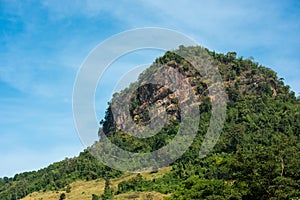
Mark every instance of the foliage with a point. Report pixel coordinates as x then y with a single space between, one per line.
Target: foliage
62 196
55 177
95 197
108 191
257 154
256 157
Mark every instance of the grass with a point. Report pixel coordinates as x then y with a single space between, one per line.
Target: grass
141 196
83 190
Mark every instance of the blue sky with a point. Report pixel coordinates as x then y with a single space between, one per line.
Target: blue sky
43 44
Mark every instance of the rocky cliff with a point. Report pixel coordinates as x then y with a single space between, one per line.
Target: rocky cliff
172 80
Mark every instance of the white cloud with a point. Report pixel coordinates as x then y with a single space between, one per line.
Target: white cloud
69 8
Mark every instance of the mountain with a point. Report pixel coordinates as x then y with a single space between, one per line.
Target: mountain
256 156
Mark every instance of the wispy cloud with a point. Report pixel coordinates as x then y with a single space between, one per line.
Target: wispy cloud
43 44
267 30
88 8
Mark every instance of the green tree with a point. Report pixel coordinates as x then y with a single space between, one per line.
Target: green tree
62 196
68 189
108 191
95 197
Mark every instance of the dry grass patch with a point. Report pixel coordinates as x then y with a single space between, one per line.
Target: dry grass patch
141 196
83 190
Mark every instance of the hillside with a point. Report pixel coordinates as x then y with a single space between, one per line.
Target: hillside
84 190
256 156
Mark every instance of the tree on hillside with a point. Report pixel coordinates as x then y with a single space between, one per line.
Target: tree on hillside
95 197
62 196
108 191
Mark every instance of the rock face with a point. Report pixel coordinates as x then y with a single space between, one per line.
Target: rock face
156 98
171 81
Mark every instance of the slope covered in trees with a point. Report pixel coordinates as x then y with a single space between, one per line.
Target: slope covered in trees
256 157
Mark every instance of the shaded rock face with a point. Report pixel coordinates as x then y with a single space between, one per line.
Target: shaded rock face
156 98
152 95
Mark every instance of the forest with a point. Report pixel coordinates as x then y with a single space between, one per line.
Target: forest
256 157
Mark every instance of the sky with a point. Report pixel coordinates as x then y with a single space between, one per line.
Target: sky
44 43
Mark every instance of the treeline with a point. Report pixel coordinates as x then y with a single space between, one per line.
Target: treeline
256 157
55 177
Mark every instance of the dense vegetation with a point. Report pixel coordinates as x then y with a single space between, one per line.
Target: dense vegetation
56 176
256 157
